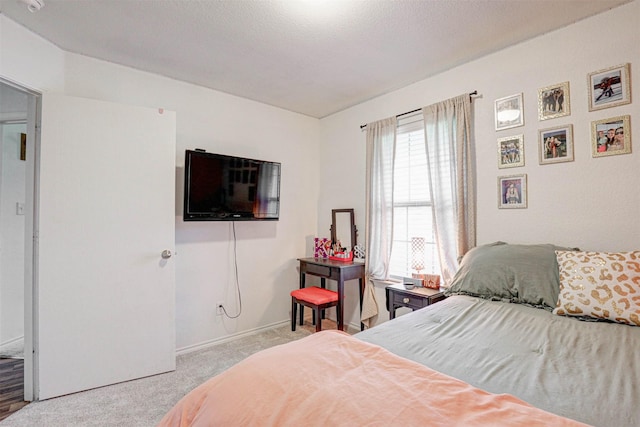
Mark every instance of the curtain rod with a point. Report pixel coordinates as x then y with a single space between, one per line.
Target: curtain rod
471 95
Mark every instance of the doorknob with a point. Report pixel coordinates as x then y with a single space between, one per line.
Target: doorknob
166 254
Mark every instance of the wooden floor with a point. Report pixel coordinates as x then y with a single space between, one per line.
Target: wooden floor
11 386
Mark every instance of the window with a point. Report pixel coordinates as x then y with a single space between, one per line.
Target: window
413 234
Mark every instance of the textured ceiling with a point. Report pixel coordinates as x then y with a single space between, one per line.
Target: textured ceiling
315 57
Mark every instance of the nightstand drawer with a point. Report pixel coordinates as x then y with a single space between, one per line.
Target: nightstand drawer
411 301
434 299
415 298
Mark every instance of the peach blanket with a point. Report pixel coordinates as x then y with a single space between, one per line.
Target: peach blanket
331 378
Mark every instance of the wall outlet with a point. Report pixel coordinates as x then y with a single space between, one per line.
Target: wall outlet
219 309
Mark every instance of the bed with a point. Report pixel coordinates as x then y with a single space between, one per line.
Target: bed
529 335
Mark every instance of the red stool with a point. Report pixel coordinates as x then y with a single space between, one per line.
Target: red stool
313 297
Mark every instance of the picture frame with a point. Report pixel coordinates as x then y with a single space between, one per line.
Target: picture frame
609 87
554 101
509 112
555 145
512 192
611 137
511 151
23 146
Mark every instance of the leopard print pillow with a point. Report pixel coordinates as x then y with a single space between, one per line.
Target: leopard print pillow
600 285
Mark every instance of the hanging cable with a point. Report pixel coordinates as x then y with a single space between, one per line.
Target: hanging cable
237 280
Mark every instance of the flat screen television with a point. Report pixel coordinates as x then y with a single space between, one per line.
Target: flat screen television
228 188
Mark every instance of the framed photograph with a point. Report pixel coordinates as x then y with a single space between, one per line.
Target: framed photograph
509 112
511 151
553 101
609 87
512 192
555 145
610 137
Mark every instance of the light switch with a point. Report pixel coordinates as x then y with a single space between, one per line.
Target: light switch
19 208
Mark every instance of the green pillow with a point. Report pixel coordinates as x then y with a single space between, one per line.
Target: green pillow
525 274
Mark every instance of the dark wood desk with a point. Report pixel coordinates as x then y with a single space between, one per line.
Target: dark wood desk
333 270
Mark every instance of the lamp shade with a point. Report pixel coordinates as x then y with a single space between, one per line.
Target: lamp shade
417 253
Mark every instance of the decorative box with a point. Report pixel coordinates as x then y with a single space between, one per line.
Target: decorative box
321 248
431 281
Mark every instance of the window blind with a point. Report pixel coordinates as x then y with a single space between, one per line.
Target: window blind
412 202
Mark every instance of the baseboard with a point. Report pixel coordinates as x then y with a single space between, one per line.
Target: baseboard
11 341
232 337
206 344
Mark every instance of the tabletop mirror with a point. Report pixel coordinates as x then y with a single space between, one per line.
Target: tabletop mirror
343 227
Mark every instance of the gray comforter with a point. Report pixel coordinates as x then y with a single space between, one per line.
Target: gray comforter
587 371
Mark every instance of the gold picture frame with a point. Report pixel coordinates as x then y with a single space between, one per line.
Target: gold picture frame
555 145
554 101
511 151
23 146
512 192
611 137
609 87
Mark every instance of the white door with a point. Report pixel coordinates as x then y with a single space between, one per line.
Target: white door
105 297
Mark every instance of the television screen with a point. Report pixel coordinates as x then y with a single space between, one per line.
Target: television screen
228 188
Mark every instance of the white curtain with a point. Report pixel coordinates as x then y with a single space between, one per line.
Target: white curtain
452 185
381 147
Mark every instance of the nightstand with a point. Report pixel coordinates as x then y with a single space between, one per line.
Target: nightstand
416 298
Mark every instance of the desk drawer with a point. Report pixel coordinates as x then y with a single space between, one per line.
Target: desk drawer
318 270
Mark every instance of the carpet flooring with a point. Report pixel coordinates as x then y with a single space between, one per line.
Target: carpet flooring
144 402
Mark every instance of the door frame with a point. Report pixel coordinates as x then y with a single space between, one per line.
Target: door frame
31 237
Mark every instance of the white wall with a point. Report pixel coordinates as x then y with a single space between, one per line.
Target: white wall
29 60
592 203
217 122
12 191
267 251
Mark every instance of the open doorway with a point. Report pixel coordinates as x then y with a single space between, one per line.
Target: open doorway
12 238
17 189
